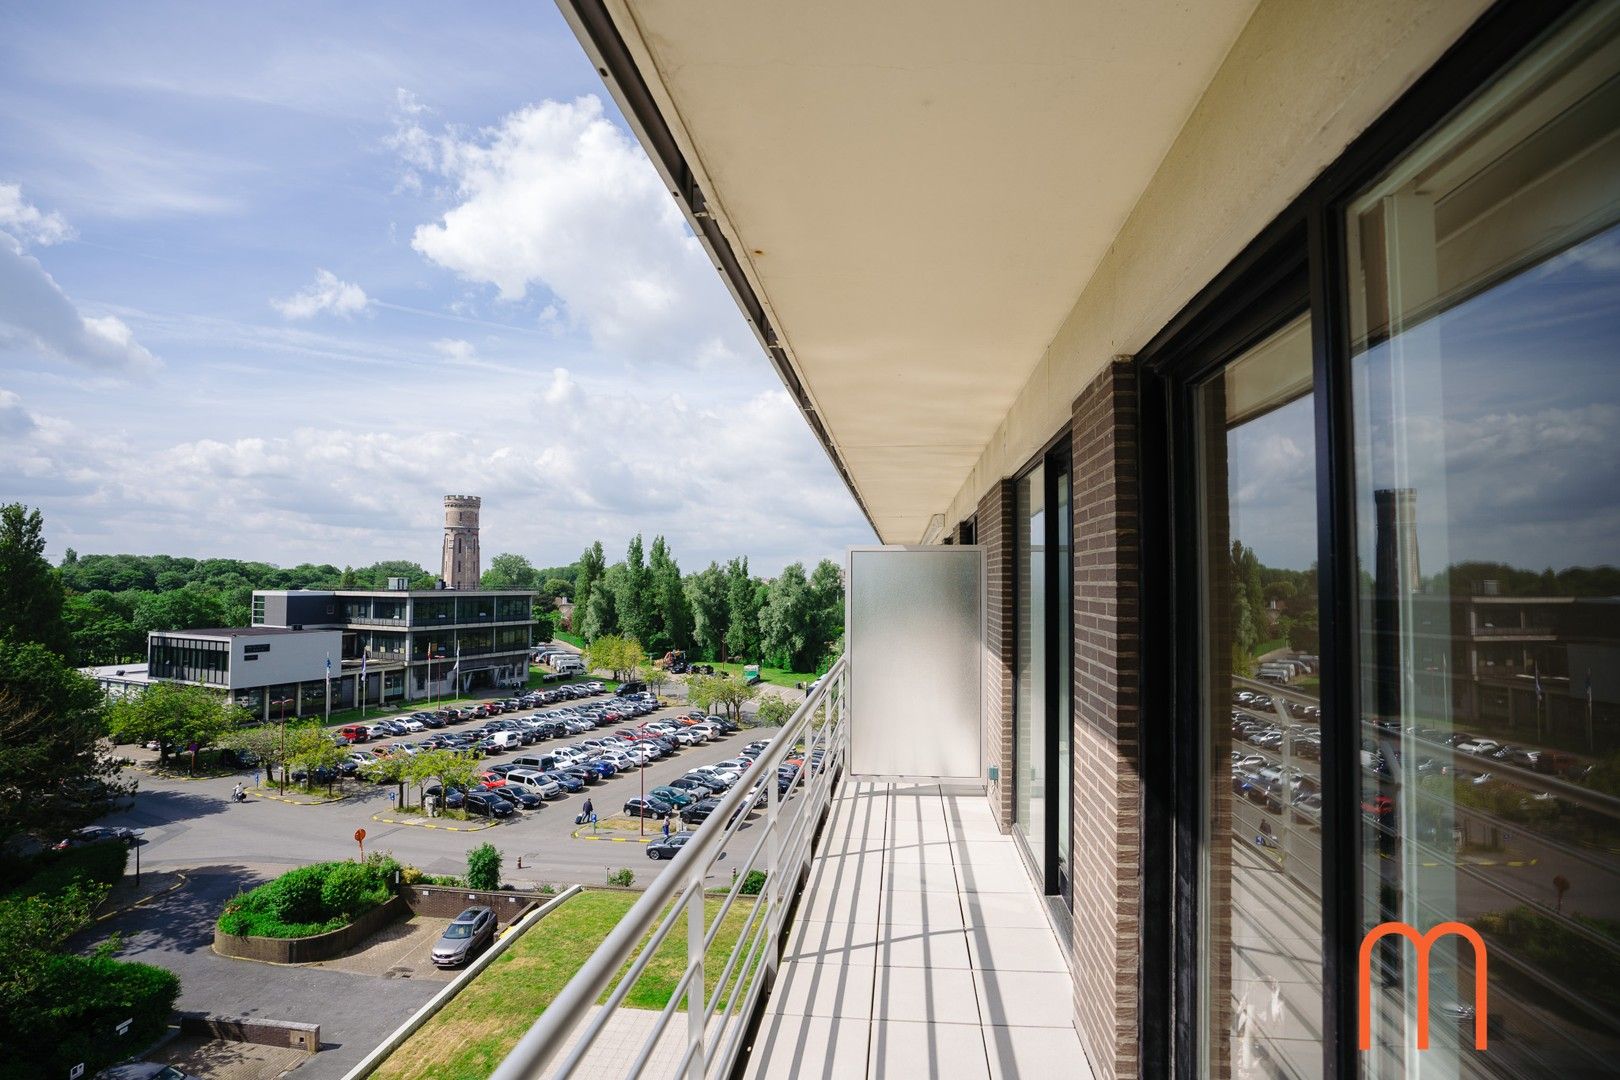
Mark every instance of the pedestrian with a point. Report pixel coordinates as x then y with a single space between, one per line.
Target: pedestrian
237 794
666 828
588 809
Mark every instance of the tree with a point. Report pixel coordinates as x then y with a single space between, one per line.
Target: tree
706 598
742 611
827 607
788 623
484 867
30 589
311 748
671 614
655 677
592 565
175 715
623 656
55 773
711 692
552 589
393 769
267 745
509 571
601 613
633 594
773 710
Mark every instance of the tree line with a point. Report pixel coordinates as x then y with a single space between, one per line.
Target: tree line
793 621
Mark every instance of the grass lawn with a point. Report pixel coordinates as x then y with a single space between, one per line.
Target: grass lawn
470 1036
774 676
569 639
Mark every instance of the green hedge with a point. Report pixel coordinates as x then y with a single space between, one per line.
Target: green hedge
53 871
311 899
72 1014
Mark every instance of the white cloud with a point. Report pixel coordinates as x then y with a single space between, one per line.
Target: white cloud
575 460
327 293
558 197
455 349
27 223
561 389
37 316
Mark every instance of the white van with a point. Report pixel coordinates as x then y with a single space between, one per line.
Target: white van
506 740
546 789
568 664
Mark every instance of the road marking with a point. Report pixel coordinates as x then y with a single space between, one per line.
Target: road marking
614 839
257 794
143 900
431 825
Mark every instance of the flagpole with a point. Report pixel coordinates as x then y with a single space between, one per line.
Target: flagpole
328 688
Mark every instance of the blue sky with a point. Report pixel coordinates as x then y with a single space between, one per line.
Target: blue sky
274 280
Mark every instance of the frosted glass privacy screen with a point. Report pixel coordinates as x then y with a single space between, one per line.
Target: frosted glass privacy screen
915 642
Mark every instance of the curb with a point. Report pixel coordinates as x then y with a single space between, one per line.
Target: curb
430 825
257 794
616 839
143 900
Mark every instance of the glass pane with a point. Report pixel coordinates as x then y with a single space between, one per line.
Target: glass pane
1486 375
1262 891
1029 724
1063 567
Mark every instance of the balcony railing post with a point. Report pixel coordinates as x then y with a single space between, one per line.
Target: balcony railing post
696 995
773 877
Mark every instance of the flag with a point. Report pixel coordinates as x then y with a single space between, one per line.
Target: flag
1538 684
363 658
1588 688
328 665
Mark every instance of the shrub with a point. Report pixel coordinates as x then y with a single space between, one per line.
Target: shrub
753 884
622 878
383 866
295 896
345 888
52 871
73 1012
484 867
309 900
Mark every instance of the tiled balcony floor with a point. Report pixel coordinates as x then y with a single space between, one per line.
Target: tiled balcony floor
921 950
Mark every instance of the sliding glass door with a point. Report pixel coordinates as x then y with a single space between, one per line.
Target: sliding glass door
1043 527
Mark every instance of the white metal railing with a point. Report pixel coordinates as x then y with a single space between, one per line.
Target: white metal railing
717 1021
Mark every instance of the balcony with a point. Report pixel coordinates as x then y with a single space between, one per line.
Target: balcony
897 932
920 948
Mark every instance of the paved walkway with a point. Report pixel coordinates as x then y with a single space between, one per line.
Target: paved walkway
921 950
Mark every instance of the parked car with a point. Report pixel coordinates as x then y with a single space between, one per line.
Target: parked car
486 804
667 847
519 796
672 795
647 808
467 935
144 1070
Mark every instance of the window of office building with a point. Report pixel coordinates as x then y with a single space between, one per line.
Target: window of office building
475 609
433 611
1261 844
1485 342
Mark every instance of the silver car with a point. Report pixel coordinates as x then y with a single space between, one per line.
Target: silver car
465 937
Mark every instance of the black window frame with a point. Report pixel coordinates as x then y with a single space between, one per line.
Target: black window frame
1238 307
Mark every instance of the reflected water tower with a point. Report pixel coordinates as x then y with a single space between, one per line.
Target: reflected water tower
461 563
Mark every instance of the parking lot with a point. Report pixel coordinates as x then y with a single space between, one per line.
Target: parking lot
193 822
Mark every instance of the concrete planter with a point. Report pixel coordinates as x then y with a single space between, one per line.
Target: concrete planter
307 950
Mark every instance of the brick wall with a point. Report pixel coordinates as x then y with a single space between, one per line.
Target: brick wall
1107 672
994 532
444 902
